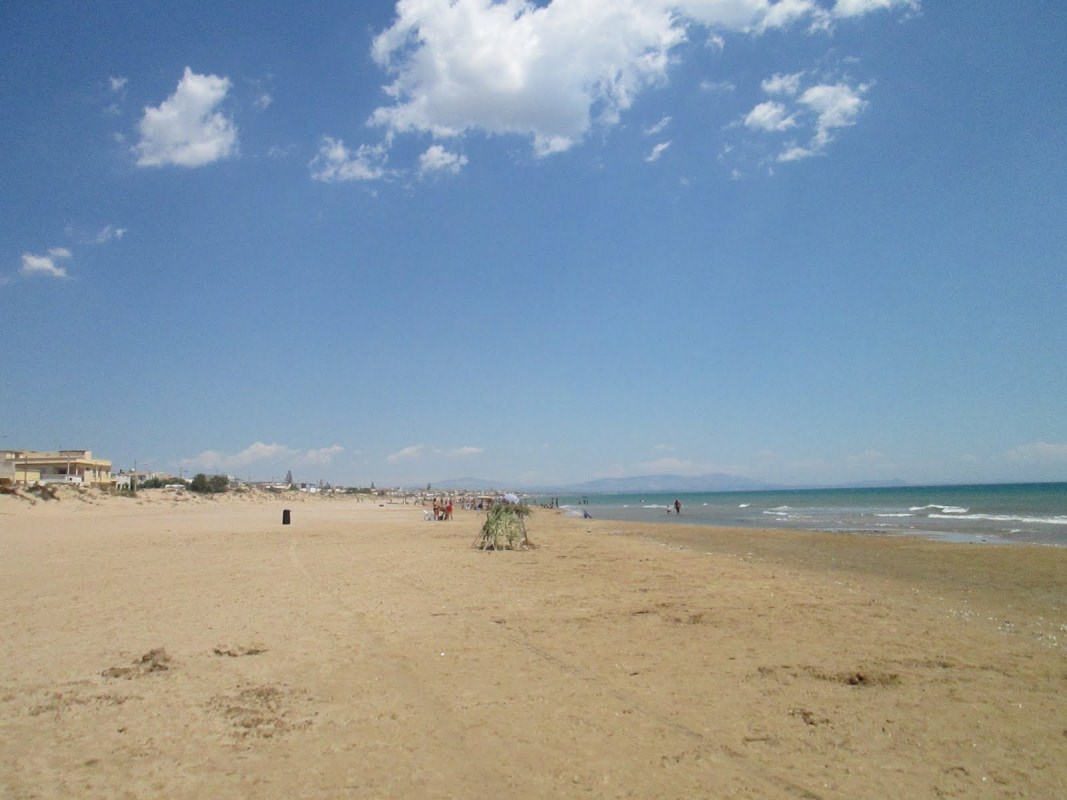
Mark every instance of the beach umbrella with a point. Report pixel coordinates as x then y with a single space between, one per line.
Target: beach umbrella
511 498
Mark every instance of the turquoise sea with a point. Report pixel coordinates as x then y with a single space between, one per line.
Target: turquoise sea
999 513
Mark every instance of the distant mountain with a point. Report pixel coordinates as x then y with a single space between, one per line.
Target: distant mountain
711 482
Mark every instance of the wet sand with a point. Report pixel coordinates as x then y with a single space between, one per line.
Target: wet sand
193 648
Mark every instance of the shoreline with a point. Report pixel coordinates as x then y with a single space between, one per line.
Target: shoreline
183 650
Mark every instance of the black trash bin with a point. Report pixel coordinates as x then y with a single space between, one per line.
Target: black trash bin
285 517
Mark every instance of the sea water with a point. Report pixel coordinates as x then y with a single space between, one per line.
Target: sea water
999 513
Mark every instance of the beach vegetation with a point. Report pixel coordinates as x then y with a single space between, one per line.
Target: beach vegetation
157 482
505 528
216 484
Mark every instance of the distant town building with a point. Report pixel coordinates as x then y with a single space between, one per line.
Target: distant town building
61 466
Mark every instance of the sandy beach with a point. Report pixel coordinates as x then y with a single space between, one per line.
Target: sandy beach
191 648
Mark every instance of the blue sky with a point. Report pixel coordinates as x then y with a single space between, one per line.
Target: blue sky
803 241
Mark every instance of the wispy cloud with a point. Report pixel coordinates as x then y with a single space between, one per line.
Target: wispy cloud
321 455
1039 452
186 129
657 151
45 266
669 465
411 453
109 233
659 127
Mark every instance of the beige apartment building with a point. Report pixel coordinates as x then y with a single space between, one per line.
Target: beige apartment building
61 466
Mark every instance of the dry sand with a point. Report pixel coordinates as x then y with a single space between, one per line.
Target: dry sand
199 648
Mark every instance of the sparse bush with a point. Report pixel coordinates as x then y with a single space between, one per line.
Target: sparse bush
505 528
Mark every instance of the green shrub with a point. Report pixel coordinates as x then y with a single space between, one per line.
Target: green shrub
216 484
505 528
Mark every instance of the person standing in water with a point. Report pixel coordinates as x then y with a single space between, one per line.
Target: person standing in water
677 506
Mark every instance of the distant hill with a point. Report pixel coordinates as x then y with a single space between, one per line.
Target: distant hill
710 482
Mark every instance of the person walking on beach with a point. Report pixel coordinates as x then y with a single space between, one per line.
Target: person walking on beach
677 506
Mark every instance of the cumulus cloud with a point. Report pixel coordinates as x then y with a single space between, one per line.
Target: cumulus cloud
819 111
836 106
261 453
770 116
552 71
782 84
45 266
336 163
411 453
187 130
438 159
511 67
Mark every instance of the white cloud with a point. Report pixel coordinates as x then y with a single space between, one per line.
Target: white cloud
109 233
261 453
782 84
410 453
818 112
467 452
659 127
717 87
671 466
795 152
657 151
770 116
836 106
186 130
550 71
1039 452
438 159
34 266
855 8
255 453
547 72
117 83
336 163
322 455
264 101
785 12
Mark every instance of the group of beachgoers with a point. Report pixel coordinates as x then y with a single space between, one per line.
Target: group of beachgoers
442 509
